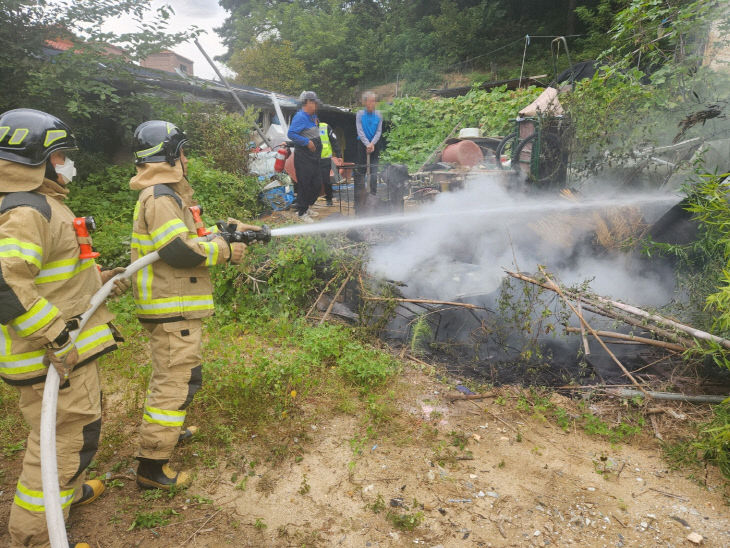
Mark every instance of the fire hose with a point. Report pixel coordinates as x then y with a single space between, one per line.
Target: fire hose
49 462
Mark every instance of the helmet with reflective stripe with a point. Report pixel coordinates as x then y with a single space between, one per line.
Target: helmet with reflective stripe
158 141
29 136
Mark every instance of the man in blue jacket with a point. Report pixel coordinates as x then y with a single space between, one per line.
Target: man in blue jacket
304 132
369 124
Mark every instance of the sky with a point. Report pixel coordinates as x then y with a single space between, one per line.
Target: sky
205 14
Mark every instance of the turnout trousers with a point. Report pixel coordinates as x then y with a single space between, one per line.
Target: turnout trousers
78 424
177 375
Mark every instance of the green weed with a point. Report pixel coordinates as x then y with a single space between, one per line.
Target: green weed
149 520
405 521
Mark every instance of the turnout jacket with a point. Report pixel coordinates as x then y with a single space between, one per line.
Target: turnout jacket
43 283
177 286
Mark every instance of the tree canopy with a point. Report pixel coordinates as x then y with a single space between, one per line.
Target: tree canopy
344 45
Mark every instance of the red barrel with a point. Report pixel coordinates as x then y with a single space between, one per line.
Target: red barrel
463 153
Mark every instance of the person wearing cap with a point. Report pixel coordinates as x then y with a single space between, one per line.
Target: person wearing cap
369 124
304 132
172 295
45 286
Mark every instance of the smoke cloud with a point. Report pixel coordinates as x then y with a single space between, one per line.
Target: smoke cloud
455 251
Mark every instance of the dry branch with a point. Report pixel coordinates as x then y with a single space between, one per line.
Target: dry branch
604 307
633 338
582 330
559 291
456 397
425 301
334 299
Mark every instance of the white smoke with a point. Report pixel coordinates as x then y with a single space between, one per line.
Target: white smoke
452 254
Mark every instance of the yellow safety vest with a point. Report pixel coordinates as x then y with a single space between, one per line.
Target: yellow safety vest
325 138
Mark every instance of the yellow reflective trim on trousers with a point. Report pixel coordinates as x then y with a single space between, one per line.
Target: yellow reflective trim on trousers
41 314
163 417
29 252
96 336
57 271
33 500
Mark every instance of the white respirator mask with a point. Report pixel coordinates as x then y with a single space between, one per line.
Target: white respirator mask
67 170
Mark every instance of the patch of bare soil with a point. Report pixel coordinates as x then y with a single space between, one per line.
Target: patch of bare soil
467 473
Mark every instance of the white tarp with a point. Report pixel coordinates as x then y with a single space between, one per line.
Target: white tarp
546 103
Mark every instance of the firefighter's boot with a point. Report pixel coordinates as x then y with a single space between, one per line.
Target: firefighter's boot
157 474
90 491
187 433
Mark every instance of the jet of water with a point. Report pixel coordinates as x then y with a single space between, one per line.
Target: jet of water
512 212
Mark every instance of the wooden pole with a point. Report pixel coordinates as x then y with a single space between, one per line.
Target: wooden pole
593 332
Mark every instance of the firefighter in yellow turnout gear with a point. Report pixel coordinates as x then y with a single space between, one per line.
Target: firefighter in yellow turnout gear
44 288
172 295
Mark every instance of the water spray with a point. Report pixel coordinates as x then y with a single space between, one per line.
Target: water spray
494 212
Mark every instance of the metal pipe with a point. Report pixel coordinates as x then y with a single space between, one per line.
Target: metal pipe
233 93
49 461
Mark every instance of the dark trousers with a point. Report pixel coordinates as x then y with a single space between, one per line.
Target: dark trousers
361 169
309 178
325 166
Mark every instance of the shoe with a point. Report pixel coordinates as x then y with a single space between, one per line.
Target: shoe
312 213
305 218
329 203
186 434
90 491
81 545
157 474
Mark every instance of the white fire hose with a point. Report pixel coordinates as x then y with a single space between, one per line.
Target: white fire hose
49 465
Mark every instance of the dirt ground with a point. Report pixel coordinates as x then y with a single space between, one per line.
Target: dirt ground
511 480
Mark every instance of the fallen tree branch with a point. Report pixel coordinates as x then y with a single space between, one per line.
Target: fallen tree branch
693 332
634 338
456 397
586 348
334 299
602 310
425 301
593 332
311 308
671 396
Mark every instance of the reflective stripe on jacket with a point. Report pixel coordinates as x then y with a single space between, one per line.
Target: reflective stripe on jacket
43 283
178 286
325 138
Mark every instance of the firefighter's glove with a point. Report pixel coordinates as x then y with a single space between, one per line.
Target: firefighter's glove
242 227
63 359
121 285
238 250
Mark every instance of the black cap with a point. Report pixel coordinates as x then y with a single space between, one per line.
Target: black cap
158 141
29 136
